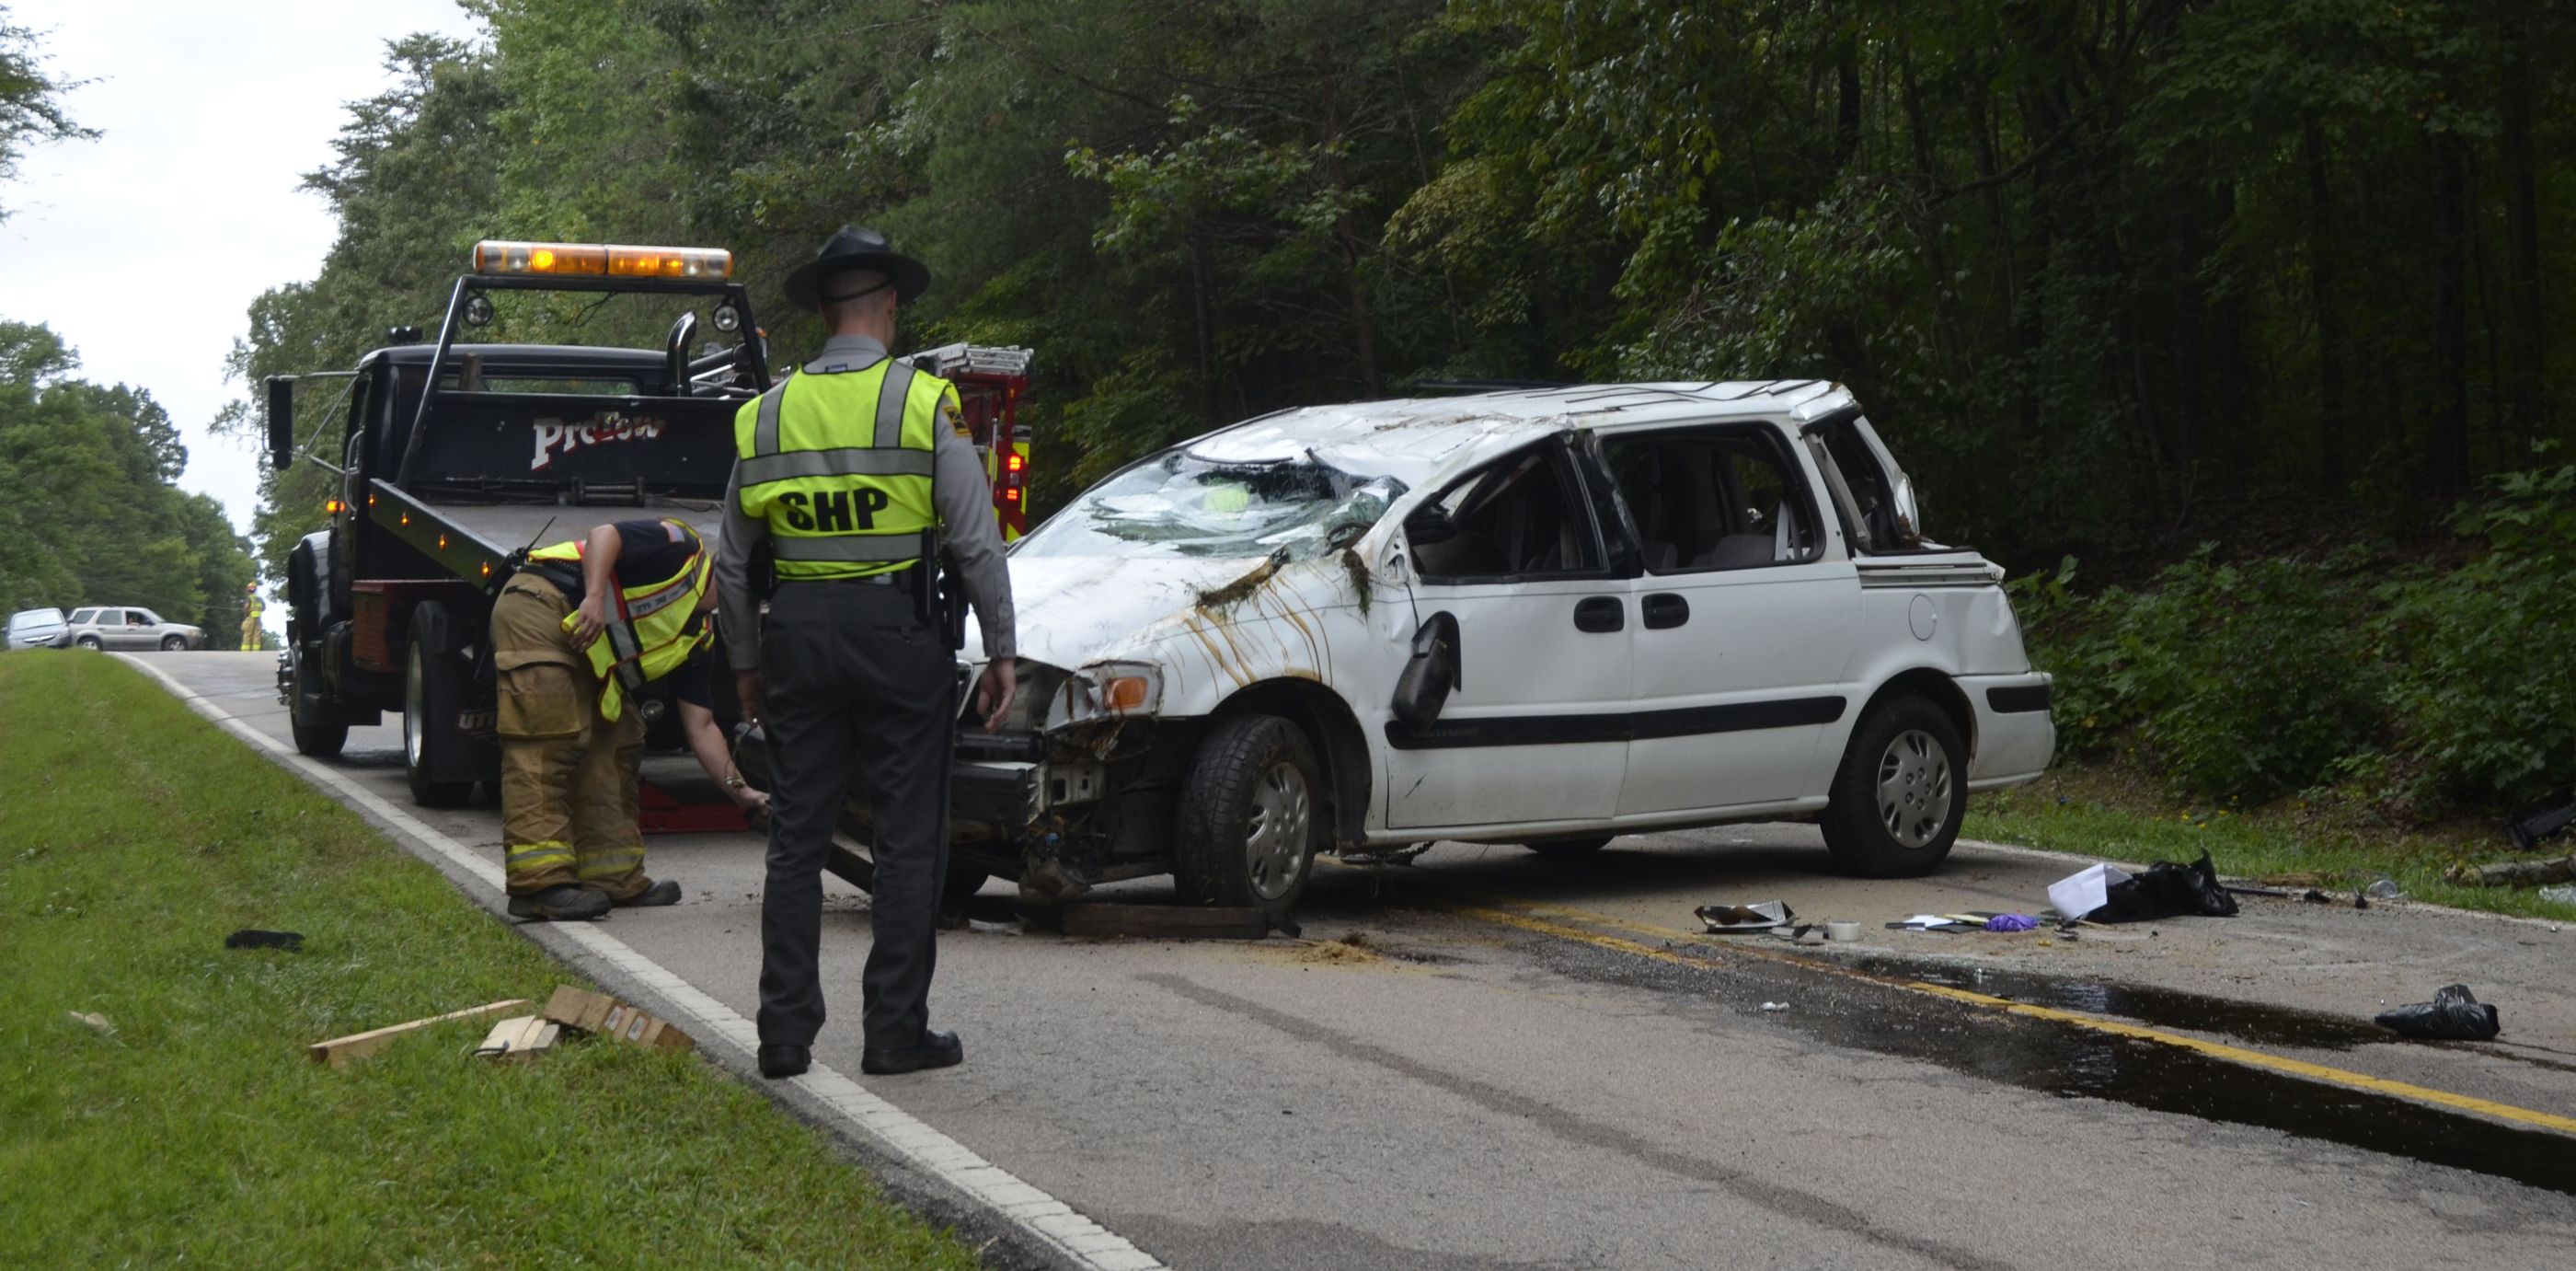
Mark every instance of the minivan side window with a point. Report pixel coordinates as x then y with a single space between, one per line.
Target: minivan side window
1522 516
1714 498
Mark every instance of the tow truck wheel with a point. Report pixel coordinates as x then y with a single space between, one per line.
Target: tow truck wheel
1901 793
322 741
433 691
1248 817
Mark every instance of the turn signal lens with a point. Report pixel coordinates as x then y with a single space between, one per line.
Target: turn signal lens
497 256
1125 693
332 506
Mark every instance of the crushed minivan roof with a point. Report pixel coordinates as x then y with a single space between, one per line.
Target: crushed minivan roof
1412 439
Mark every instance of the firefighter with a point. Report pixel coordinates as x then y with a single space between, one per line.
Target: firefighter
252 609
577 634
839 472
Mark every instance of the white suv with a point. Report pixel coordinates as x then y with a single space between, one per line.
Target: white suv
1545 617
119 627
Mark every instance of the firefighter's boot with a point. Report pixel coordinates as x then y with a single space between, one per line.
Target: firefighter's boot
562 902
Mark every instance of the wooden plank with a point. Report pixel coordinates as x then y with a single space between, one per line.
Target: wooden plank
340 1050
854 869
605 1016
1165 922
579 1008
520 1038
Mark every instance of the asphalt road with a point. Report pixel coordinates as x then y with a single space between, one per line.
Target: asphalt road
1523 1063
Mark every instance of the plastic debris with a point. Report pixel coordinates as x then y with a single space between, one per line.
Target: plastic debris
1736 919
2454 1014
2012 922
2166 890
2564 893
2384 889
94 1022
2085 890
1775 1006
254 938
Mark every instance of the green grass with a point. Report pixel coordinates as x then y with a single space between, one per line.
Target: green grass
2105 814
133 837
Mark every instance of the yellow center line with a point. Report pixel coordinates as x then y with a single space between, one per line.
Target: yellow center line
1523 917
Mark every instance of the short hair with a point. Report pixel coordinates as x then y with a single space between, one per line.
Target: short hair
856 292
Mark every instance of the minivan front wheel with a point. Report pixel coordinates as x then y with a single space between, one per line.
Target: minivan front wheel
1901 793
1250 815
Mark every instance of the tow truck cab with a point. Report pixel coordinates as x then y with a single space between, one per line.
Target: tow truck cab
447 458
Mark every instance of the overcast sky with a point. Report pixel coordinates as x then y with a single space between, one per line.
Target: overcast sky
143 249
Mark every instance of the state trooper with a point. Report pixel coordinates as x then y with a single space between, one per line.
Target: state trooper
847 472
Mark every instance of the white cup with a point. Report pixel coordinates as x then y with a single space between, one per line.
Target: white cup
1841 931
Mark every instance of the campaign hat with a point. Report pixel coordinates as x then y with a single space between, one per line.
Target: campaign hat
853 249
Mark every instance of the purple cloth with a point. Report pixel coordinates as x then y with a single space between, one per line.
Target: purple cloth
2012 922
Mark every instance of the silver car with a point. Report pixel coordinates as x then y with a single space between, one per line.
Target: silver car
37 629
128 627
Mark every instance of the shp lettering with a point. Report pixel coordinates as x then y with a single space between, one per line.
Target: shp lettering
555 437
834 511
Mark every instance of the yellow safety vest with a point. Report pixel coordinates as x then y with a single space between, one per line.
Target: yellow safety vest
838 462
649 636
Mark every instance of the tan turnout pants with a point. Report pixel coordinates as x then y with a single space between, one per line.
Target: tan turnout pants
568 777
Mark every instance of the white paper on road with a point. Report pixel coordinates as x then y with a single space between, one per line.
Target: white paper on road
2085 890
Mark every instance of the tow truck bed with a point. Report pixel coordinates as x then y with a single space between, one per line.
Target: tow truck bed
472 539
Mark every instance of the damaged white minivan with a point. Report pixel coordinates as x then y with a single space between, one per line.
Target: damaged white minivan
1545 617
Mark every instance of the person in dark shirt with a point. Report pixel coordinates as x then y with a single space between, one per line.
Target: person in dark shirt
579 635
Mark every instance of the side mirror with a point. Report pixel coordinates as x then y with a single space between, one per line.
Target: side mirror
281 420
1429 524
1430 674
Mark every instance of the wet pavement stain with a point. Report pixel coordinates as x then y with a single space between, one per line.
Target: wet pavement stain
2250 1022
1829 1005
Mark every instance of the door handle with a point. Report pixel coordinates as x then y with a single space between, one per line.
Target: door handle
1600 615
1665 609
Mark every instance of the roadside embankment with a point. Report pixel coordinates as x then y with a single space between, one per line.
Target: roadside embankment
184 1122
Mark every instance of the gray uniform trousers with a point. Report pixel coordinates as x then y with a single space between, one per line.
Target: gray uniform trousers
855 685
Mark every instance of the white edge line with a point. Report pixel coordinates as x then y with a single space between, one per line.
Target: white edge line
1046 1220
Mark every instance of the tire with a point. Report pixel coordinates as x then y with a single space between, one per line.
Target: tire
174 644
321 741
90 643
1901 793
1573 849
433 690
1247 827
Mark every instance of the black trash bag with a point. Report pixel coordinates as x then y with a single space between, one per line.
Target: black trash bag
254 938
2167 890
2452 1016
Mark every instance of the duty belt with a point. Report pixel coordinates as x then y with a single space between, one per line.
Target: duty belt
566 580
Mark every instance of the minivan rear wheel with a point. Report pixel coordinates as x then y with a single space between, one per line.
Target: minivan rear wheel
1901 792
1250 815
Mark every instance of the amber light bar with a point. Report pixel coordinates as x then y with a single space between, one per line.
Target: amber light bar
598 260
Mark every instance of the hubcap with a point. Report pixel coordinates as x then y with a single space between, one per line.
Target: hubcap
1914 788
1274 839
414 706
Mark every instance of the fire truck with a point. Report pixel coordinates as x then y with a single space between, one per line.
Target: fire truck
989 382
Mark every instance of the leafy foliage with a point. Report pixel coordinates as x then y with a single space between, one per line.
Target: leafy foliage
87 512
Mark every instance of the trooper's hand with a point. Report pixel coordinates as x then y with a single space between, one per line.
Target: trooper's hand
752 801
995 689
746 685
589 620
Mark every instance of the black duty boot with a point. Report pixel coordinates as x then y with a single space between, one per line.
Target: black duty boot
664 892
562 902
937 1050
785 1061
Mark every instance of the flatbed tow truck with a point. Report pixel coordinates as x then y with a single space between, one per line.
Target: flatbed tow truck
451 458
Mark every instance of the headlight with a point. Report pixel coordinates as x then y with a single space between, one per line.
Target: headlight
1107 690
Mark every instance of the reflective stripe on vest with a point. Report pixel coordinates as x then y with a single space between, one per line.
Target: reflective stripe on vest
838 462
649 636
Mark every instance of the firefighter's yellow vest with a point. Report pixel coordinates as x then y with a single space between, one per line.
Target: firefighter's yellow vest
838 461
649 635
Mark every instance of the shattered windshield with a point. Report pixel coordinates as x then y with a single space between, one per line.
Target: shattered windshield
1180 505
